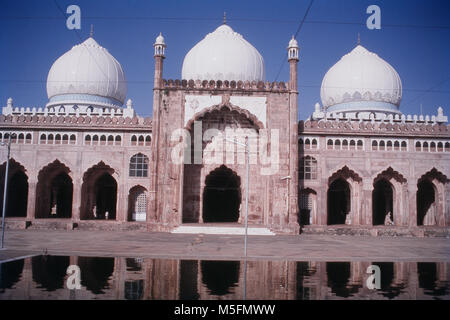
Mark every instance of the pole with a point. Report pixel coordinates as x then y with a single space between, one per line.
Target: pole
247 151
5 190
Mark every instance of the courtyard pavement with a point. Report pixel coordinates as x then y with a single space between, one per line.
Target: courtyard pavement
305 247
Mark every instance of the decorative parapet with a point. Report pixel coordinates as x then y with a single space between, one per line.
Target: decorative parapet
72 109
74 121
225 85
381 127
378 117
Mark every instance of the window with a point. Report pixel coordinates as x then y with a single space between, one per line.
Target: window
329 144
374 145
308 168
418 146
403 146
360 145
139 165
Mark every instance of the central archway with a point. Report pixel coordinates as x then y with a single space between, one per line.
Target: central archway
382 202
221 196
338 201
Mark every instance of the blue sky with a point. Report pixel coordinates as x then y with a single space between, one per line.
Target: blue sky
414 38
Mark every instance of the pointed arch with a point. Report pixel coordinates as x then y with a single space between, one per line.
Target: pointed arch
54 191
17 197
99 193
431 198
222 195
137 203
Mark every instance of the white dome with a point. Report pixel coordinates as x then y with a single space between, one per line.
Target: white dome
89 74
223 55
361 81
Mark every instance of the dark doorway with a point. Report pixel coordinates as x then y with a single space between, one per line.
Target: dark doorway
382 202
62 189
221 196
220 276
17 198
54 191
105 197
425 200
338 201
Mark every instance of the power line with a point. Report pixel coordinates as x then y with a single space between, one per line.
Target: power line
81 40
301 86
295 36
228 19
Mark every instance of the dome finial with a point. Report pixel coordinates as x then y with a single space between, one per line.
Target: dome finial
224 17
91 33
359 39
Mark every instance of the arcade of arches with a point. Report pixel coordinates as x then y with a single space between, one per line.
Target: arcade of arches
385 204
221 197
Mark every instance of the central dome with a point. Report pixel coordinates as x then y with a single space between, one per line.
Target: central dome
223 55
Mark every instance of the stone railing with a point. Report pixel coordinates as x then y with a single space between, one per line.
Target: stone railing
225 85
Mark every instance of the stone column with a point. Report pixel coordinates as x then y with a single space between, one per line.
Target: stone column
31 201
411 207
366 207
322 201
76 200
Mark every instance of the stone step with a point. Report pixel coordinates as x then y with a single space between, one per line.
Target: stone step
230 230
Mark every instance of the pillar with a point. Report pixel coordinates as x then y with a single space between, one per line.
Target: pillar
31 201
412 205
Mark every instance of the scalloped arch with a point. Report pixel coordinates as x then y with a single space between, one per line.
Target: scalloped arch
388 174
344 172
230 107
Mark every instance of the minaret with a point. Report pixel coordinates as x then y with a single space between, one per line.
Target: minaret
293 134
160 47
293 60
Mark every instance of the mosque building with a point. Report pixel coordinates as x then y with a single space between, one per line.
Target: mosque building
357 165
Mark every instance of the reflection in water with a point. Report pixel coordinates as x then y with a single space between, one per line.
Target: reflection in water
49 271
388 288
134 289
220 276
43 277
428 280
10 273
95 273
338 279
304 292
188 280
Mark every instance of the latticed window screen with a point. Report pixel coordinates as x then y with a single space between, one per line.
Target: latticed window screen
140 202
139 165
308 168
305 202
